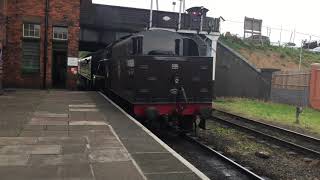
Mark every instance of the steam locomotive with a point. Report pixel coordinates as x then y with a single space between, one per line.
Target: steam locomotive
158 76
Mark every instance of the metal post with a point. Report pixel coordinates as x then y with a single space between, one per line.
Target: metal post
180 9
201 22
300 61
294 35
151 14
157 4
280 36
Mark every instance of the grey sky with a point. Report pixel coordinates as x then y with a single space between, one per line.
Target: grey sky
291 14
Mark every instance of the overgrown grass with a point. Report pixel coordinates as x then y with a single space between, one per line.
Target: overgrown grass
284 52
277 113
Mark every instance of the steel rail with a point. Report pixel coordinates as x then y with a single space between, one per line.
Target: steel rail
294 146
240 168
273 127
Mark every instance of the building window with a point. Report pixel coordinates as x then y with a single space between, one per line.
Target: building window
31 30
31 57
60 33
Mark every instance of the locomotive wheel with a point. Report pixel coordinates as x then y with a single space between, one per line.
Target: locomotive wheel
186 123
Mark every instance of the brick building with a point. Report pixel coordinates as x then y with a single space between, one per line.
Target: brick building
25 27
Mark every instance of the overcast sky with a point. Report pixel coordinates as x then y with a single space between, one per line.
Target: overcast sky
290 14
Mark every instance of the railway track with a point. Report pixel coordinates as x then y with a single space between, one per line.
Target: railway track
301 143
230 168
212 163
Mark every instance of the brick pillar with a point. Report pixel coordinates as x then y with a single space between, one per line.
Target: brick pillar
315 86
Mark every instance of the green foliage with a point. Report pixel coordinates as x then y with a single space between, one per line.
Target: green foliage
274 112
284 52
83 54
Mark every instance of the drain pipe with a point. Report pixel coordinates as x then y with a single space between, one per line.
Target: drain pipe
45 44
1 68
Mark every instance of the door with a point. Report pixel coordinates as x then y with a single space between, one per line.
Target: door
59 69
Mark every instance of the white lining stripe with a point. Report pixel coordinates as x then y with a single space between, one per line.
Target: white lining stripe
175 154
83 110
82 106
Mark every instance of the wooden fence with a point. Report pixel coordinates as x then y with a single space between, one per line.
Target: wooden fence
294 80
291 87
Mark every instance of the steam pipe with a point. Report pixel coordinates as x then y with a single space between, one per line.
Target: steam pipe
151 14
184 6
180 9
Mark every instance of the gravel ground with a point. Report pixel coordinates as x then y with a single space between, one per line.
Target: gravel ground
282 163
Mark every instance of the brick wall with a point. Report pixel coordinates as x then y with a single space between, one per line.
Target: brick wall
61 13
2 21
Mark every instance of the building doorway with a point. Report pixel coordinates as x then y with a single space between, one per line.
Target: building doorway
59 69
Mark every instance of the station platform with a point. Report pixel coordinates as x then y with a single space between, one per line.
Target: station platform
70 135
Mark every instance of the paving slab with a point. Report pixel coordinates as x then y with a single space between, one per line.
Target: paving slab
82 106
44 114
103 143
83 110
31 149
30 173
62 140
138 145
115 171
14 160
17 140
88 123
54 160
159 163
173 176
108 155
75 148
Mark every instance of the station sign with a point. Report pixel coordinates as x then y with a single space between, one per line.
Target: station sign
73 61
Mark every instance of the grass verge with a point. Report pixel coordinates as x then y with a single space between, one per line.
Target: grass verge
272 112
286 53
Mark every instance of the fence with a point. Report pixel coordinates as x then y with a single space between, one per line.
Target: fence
291 87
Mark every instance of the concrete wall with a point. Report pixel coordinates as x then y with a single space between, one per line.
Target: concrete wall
61 13
236 77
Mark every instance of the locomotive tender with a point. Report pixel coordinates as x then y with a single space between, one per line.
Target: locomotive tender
155 74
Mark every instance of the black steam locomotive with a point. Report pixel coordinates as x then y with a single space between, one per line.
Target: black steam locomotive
156 75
